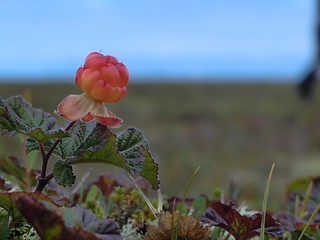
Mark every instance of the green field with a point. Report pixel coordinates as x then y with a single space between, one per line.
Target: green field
234 132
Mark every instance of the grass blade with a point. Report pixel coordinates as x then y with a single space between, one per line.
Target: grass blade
152 208
309 221
264 203
305 200
186 190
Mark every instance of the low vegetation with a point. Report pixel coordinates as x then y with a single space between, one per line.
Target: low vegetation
44 201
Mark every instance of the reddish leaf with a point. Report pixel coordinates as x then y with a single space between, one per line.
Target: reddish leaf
311 229
294 224
7 201
241 227
107 182
175 201
103 228
50 223
58 198
288 221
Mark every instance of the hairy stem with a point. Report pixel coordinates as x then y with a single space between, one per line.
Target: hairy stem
44 179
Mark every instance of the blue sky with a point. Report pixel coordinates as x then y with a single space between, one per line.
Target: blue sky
209 38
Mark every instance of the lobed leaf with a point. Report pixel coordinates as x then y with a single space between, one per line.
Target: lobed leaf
94 143
102 146
133 145
241 227
130 139
7 201
149 169
77 216
98 147
67 146
185 227
19 116
69 223
63 174
78 134
288 221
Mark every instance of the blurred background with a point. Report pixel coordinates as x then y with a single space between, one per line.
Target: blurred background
212 83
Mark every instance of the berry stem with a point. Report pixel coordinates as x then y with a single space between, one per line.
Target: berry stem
44 179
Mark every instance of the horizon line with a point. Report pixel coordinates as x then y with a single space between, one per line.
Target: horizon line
160 79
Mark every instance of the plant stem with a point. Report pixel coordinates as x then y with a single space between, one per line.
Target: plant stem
49 176
44 179
44 160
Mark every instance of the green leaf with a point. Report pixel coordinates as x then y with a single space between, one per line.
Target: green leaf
63 174
67 146
93 193
130 139
13 167
300 185
18 116
4 224
307 192
78 134
94 143
133 145
128 150
98 147
7 202
150 169
199 205
2 110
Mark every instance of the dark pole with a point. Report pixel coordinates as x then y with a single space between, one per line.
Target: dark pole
318 34
307 84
